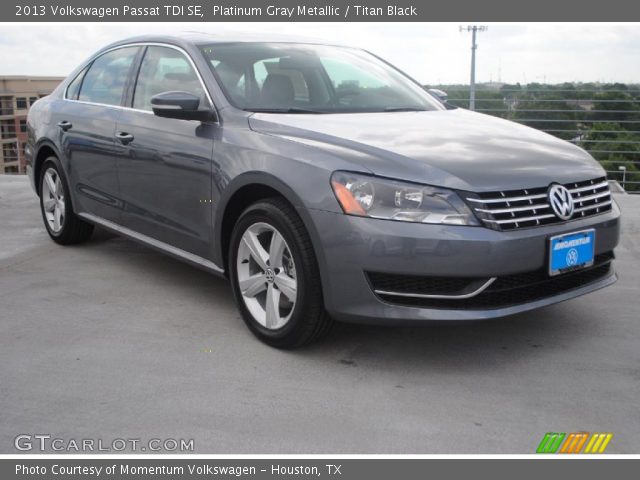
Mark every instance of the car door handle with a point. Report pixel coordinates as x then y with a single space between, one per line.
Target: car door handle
64 125
124 137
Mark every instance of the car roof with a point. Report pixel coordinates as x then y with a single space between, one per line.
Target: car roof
206 38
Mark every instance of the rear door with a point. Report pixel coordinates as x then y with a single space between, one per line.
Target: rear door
87 121
165 171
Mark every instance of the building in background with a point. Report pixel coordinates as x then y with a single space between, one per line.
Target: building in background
17 94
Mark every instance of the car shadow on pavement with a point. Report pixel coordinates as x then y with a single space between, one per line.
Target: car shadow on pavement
465 345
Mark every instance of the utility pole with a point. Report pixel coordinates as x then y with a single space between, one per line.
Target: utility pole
474 29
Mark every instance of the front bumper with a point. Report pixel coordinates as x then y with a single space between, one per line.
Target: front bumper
348 247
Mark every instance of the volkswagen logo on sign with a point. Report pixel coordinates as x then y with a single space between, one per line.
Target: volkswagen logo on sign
572 257
561 201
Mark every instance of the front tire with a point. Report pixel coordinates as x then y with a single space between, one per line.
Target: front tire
275 277
63 226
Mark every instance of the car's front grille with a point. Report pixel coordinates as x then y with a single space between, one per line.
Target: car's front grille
513 209
504 291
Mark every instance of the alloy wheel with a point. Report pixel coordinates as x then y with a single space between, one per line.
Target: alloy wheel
267 275
53 200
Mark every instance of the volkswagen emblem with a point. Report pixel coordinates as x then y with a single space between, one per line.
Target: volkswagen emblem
270 275
572 257
561 201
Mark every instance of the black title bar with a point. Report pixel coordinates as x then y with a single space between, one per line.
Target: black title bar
317 11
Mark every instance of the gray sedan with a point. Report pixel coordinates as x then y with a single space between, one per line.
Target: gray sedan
322 181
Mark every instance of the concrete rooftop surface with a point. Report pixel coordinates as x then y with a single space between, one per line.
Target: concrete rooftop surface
111 340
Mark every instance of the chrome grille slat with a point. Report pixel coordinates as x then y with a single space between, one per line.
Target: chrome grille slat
591 197
590 187
515 209
521 219
594 206
538 206
507 199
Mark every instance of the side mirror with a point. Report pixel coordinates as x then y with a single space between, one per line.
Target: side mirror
181 105
439 94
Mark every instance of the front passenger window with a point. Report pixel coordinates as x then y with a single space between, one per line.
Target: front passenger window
165 69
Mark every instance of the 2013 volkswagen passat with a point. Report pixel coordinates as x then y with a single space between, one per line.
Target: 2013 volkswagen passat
322 181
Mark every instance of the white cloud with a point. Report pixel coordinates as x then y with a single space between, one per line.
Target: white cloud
432 53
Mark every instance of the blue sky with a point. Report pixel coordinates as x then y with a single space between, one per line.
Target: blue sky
432 53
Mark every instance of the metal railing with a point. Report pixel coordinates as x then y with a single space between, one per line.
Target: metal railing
604 120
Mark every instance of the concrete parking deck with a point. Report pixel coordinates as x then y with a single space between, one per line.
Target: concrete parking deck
112 340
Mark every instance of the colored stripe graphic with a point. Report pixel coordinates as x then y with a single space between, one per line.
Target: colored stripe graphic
550 442
598 443
574 442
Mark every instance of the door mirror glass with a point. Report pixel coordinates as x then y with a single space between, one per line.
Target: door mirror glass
182 105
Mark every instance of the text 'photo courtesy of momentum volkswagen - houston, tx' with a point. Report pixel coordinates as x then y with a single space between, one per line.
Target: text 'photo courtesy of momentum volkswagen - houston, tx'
323 182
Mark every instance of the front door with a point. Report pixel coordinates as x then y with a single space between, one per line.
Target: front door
165 169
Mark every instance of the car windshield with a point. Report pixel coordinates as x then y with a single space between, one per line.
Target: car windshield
305 78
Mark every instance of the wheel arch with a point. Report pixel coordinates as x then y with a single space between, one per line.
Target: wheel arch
45 150
247 189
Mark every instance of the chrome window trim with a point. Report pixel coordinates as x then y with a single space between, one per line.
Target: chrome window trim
152 242
140 44
478 291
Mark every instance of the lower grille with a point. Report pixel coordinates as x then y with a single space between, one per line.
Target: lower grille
511 290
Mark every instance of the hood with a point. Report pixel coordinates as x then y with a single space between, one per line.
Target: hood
450 148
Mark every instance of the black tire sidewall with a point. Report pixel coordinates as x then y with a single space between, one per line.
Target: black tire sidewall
269 213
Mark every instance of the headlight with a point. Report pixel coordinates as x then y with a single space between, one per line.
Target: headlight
368 196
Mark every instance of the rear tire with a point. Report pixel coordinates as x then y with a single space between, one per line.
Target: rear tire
281 296
63 226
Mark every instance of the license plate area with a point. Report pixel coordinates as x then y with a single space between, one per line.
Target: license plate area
571 251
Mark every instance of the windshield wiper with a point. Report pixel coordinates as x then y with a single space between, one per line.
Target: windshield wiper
404 109
283 110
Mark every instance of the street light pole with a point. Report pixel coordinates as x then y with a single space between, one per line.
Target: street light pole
474 29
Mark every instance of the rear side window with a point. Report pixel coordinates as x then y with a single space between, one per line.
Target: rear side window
165 69
107 77
73 90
